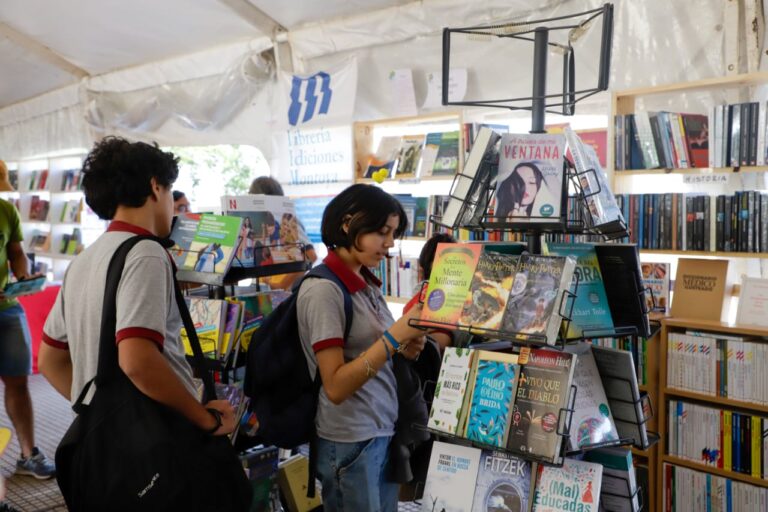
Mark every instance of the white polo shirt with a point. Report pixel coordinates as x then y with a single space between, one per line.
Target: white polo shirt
146 305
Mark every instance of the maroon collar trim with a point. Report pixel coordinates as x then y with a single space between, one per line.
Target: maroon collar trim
351 280
119 225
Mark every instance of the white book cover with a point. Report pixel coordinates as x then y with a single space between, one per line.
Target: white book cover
591 422
270 231
529 187
753 302
760 134
451 390
644 137
574 486
465 182
451 477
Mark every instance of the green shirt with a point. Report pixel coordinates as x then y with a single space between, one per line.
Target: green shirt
10 231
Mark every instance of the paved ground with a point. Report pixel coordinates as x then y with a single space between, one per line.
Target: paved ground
52 416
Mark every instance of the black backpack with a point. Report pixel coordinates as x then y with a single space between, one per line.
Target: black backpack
277 379
126 452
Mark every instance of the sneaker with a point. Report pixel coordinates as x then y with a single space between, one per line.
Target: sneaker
6 507
36 465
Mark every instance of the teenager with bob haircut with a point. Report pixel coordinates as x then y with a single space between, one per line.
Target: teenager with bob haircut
130 185
357 406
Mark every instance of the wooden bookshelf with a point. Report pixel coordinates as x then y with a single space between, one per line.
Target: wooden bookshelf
717 400
363 138
677 325
741 477
692 170
716 254
707 84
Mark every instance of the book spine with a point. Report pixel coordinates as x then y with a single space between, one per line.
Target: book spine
735 138
744 142
754 131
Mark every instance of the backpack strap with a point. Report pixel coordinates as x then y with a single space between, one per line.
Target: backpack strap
323 272
108 367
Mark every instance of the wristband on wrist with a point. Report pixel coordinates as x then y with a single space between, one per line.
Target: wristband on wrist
392 341
217 416
386 348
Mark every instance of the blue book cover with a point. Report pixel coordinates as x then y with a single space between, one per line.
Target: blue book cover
590 308
495 384
503 483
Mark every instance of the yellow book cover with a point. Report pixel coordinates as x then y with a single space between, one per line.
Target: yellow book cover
755 447
449 283
292 476
727 440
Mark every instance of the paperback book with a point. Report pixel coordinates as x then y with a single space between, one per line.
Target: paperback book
529 186
449 283
534 305
451 477
489 291
574 486
494 382
591 422
409 157
591 313
617 372
620 267
543 390
503 483
604 212
205 242
270 231
386 156
447 158
656 278
448 411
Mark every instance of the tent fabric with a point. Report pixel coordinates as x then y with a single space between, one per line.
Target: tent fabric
177 100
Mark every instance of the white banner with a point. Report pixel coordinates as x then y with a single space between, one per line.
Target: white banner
312 156
323 98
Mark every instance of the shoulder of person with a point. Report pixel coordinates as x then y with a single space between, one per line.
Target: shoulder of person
317 288
148 249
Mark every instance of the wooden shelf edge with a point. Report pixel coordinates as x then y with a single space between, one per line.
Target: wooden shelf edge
694 170
408 181
396 300
742 80
715 471
715 326
737 404
435 116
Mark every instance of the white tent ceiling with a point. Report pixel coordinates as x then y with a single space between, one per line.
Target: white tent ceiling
55 55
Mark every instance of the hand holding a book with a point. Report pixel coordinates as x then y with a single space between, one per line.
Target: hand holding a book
413 347
227 416
402 330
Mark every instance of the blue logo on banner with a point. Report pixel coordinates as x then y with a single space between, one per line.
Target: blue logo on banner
310 97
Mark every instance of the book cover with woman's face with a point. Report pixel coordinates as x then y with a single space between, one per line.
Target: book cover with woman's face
529 187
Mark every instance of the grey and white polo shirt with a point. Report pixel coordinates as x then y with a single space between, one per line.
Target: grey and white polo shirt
146 305
372 410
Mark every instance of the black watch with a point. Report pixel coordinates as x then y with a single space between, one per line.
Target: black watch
216 414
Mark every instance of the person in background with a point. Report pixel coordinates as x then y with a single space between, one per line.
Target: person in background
180 202
427 256
271 187
16 348
358 401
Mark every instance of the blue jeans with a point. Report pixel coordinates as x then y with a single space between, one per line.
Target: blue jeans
354 476
15 345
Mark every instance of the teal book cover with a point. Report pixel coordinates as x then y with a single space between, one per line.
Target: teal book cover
590 308
489 417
